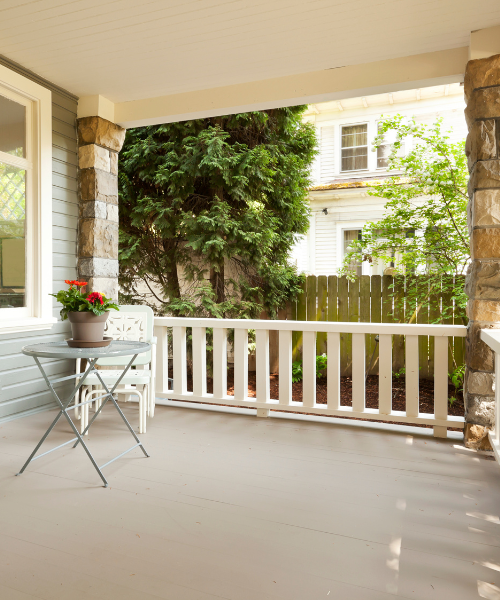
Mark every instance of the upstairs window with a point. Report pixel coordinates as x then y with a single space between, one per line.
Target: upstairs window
354 147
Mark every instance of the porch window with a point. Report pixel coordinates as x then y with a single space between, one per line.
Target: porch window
25 204
15 170
354 147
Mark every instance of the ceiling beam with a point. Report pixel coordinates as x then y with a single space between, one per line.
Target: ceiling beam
410 72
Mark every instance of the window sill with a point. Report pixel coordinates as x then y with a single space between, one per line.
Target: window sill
29 324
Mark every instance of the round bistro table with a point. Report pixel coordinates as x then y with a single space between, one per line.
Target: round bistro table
61 350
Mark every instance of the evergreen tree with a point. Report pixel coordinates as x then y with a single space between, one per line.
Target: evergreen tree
209 210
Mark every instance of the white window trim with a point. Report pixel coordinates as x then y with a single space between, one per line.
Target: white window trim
39 213
347 226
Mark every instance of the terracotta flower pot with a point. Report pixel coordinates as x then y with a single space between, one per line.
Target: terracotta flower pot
87 327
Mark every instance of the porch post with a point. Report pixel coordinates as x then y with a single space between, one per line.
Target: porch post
99 142
482 95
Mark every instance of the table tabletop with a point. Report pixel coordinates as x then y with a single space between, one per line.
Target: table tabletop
62 350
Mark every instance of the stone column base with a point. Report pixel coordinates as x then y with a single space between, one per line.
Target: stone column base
476 437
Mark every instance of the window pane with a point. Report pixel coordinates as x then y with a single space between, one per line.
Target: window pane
354 159
354 135
383 156
12 127
349 236
12 236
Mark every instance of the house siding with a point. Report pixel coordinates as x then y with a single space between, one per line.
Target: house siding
319 252
22 388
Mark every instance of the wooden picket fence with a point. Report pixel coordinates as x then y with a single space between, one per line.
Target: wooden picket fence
371 299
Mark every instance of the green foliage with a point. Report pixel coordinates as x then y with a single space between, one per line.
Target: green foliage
424 231
209 210
457 379
321 362
75 300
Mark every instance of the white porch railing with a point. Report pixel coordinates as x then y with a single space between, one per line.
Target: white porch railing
263 402
492 338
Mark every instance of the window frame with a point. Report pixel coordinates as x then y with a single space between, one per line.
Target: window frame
37 314
349 226
367 146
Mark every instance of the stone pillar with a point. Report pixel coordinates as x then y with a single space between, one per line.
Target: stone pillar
482 95
99 142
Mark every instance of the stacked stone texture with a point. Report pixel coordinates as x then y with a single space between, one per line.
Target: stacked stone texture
99 142
482 95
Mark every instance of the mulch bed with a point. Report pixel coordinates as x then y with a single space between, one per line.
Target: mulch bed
426 394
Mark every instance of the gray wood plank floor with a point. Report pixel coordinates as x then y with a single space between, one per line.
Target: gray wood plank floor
235 507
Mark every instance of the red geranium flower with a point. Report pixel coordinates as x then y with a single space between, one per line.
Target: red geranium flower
72 282
94 297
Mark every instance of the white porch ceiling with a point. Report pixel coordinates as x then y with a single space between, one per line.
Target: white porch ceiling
129 50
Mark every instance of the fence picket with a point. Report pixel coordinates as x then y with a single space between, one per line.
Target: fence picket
301 316
399 317
343 313
376 316
322 312
364 313
423 340
332 298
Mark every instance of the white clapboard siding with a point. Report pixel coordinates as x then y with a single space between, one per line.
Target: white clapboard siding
21 385
327 153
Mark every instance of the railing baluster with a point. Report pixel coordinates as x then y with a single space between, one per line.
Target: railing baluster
179 354
285 366
333 370
412 376
161 334
309 368
241 364
440 383
263 384
199 361
385 374
220 362
358 372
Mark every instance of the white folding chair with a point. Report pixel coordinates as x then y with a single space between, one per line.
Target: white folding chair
130 323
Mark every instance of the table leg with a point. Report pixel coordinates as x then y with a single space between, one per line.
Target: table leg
64 406
109 395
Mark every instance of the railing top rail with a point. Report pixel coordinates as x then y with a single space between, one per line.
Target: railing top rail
317 326
492 338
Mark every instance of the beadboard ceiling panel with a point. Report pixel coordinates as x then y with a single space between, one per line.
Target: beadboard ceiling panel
128 50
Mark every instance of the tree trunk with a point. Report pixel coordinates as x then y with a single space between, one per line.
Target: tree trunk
217 283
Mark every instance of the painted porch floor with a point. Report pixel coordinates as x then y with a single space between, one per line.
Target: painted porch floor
231 506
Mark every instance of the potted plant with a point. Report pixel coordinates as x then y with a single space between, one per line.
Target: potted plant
86 313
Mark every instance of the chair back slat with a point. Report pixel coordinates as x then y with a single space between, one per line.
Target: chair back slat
132 323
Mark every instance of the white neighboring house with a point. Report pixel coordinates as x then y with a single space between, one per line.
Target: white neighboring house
346 166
